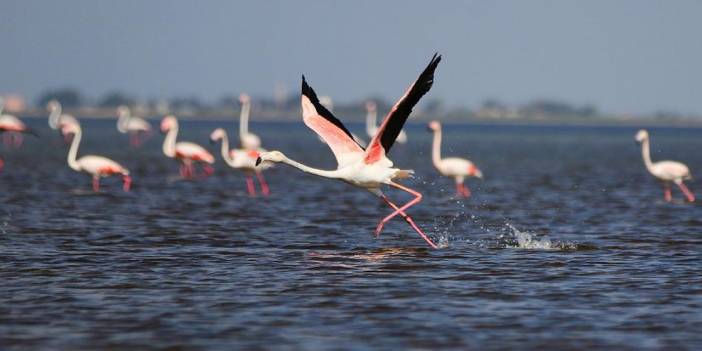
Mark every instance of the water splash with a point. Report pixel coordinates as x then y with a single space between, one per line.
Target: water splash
526 240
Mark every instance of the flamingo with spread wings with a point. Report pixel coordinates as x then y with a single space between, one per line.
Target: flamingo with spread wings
371 123
368 169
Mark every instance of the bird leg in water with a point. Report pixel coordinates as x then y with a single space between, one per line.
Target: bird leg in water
667 193
262 182
687 192
96 184
127 180
401 211
207 170
462 190
250 185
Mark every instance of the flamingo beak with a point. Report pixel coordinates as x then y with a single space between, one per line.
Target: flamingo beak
478 173
258 160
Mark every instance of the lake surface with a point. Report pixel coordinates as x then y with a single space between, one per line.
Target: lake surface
566 244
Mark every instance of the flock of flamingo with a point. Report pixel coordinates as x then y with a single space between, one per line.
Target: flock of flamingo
365 166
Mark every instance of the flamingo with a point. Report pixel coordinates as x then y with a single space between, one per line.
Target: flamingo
666 172
371 124
12 128
249 141
57 119
328 103
244 160
183 151
368 169
457 168
134 126
96 166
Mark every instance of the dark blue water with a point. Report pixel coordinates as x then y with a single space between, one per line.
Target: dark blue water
566 244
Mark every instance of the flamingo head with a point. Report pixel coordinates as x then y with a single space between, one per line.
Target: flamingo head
642 135
434 125
244 98
272 156
69 128
371 106
169 122
53 105
217 135
122 110
477 173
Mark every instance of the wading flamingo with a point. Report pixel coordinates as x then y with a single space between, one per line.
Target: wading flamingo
58 119
185 152
328 103
96 166
368 169
249 141
137 127
454 167
666 172
12 128
244 160
372 124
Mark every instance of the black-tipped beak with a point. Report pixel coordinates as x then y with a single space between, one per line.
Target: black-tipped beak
212 141
258 161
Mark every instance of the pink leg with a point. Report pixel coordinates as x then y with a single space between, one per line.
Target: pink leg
96 184
127 180
401 210
466 190
133 139
17 139
459 189
667 193
207 170
687 192
250 186
264 186
2 164
183 170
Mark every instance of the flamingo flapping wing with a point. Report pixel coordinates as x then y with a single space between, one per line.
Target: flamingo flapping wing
328 127
392 123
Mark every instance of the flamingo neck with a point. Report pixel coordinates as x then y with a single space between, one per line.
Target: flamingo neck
54 117
122 121
2 105
646 153
226 155
244 119
310 170
169 143
73 151
436 149
371 120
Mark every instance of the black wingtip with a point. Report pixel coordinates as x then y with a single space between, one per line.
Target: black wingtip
258 159
308 91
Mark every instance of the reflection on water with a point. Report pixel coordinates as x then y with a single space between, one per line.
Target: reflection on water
566 244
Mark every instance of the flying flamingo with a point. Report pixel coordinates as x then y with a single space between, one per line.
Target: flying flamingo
249 141
96 166
184 151
58 119
368 169
666 172
457 168
328 103
134 126
371 123
12 128
244 160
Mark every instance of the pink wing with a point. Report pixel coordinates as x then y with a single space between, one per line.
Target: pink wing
395 120
328 127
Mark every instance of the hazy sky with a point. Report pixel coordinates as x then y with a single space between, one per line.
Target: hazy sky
624 56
